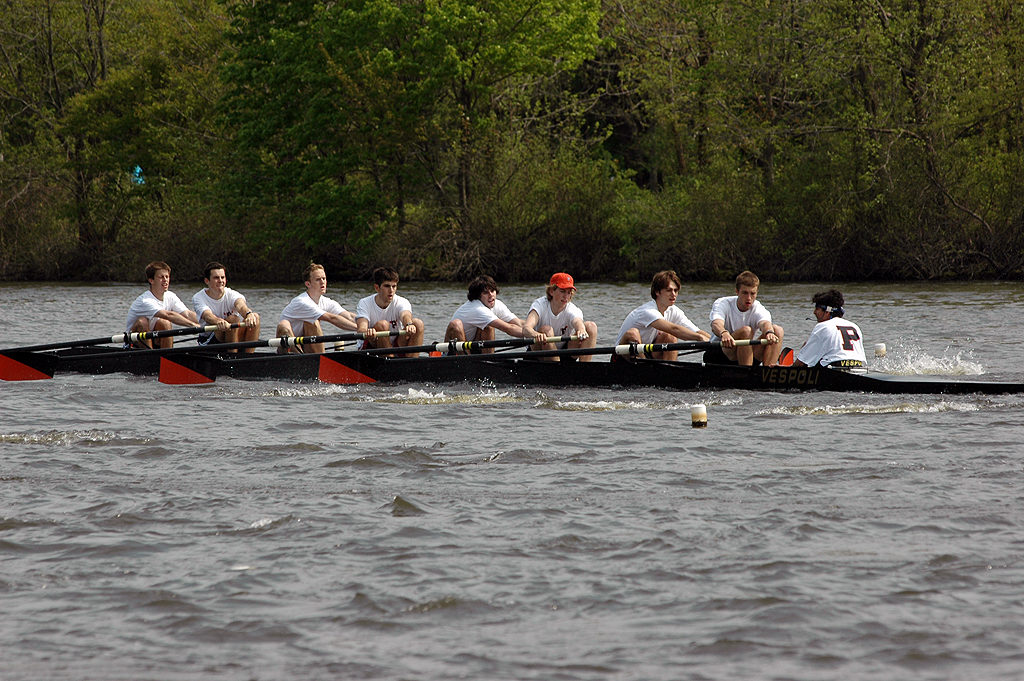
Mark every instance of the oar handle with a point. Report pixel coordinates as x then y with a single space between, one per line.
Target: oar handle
628 349
638 349
465 347
131 337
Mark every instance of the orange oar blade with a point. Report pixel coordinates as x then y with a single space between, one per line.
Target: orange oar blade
332 371
174 372
26 366
786 358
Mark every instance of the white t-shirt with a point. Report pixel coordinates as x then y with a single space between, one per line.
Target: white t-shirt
561 324
831 341
727 310
147 305
223 308
368 309
302 309
642 317
475 315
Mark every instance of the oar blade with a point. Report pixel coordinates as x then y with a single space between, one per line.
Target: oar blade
187 371
333 371
26 366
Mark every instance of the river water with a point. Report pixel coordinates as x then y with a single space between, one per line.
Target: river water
262 530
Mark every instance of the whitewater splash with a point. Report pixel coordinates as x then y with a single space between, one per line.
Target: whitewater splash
417 396
912 361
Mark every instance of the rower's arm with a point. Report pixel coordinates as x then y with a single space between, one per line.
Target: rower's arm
188 318
680 332
530 325
248 315
345 321
517 328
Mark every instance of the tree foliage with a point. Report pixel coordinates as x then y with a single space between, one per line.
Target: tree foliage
801 138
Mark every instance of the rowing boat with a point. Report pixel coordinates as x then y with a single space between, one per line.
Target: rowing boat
521 368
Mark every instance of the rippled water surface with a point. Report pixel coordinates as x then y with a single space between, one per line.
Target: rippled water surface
270 530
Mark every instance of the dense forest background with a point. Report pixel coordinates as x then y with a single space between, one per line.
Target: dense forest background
804 139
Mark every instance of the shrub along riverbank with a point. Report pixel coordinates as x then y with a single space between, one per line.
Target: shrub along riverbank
804 140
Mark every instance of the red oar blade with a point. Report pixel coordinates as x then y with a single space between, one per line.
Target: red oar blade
186 371
26 366
332 371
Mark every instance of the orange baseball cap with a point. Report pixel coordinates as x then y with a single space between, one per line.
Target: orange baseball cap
562 280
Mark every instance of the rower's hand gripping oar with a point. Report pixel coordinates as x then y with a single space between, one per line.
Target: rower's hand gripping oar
21 364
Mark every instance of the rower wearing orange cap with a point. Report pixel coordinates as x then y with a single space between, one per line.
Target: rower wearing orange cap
554 314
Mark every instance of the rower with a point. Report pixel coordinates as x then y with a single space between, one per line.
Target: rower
478 318
302 316
158 309
743 317
554 314
224 307
385 310
660 321
834 342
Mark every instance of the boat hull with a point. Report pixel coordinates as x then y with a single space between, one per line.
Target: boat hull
356 368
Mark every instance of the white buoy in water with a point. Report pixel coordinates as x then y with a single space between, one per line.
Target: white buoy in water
699 416
879 349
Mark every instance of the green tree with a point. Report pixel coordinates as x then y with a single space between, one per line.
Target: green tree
348 113
88 91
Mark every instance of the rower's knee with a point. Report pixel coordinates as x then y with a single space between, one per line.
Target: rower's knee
631 336
455 331
743 333
664 337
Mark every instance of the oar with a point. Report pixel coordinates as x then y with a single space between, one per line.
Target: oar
126 337
626 349
21 364
32 366
466 347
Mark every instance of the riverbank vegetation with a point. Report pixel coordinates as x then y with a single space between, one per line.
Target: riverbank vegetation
804 139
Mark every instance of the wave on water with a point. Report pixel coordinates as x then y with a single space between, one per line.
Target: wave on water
900 408
266 524
402 507
66 438
549 402
413 457
297 390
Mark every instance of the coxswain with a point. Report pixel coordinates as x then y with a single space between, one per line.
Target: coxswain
834 342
